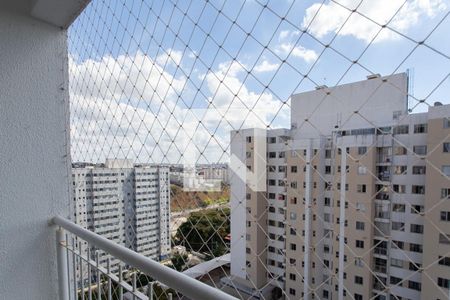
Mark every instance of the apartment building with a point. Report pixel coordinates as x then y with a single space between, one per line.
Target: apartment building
350 203
126 203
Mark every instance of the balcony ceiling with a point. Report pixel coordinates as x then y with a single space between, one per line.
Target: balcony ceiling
60 13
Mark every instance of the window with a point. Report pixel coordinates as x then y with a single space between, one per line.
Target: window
360 206
444 239
358 280
398 208
398 244
420 150
272 154
249 139
400 170
325 294
396 262
292 276
445 216
362 170
414 266
272 140
399 188
419 170
248 154
293 169
446 123
416 228
361 188
415 248
418 189
399 226
417 209
294 184
327 153
359 262
281 154
359 225
362 150
400 150
359 244
293 247
395 280
446 147
248 250
248 196
293 216
414 285
327 169
446 170
444 261
327 201
443 282
358 297
294 200
420 128
445 193
292 291
401 129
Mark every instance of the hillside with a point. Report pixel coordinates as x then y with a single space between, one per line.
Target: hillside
181 200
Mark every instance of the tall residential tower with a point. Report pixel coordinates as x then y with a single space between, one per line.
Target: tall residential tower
351 202
126 203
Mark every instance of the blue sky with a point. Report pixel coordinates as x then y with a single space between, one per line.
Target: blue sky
233 64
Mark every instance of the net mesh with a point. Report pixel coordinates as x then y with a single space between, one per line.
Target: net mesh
165 82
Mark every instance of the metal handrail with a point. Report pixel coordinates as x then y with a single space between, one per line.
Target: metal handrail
186 285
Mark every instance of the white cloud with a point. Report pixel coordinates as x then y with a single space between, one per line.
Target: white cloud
287 46
332 16
173 57
122 107
307 55
265 66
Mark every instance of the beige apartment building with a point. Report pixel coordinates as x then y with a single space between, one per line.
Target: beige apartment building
352 202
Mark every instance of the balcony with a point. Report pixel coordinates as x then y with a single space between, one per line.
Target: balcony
165 82
82 274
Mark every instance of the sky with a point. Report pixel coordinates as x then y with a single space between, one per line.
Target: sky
166 81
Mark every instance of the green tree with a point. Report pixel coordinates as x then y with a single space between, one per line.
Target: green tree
205 231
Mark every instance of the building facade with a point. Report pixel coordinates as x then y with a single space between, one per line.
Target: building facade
350 203
126 203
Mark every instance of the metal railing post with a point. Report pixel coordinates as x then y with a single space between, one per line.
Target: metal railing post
63 271
150 291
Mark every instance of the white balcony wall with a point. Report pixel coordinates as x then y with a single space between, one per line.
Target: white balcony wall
34 153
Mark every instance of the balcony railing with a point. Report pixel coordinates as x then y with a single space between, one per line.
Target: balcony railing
82 276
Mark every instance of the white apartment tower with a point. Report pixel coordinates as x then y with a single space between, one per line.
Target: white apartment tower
126 203
350 203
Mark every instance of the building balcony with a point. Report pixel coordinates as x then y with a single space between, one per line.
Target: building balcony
84 273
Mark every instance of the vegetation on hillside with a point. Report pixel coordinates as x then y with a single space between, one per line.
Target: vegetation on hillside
181 200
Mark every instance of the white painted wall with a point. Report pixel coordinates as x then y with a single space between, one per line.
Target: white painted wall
237 202
34 154
374 99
